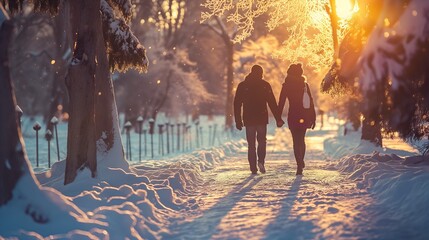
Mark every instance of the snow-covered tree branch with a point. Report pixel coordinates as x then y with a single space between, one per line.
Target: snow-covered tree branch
394 68
124 49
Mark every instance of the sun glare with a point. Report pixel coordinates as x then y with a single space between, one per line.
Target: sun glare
345 9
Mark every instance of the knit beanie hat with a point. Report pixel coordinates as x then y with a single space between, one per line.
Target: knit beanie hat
295 69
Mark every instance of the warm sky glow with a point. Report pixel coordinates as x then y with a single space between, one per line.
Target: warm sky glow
306 22
345 9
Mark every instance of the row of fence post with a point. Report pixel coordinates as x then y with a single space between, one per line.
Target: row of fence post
48 137
178 137
172 138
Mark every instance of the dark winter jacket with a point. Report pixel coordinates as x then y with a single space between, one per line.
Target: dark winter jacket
253 94
293 90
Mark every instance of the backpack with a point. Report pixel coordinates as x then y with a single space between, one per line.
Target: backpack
306 98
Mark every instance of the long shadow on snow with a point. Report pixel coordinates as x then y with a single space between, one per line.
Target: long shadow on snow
284 227
205 227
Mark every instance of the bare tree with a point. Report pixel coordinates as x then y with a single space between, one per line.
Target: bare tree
31 63
169 30
227 36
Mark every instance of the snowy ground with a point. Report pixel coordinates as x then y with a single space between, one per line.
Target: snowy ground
210 194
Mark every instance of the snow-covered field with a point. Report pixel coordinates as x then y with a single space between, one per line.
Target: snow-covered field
348 191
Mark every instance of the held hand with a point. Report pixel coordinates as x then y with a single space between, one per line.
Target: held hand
280 123
239 126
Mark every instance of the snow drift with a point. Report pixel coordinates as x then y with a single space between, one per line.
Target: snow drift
118 203
395 178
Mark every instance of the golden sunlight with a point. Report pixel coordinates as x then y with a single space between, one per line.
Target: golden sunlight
345 9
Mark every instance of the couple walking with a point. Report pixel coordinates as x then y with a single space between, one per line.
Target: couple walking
253 95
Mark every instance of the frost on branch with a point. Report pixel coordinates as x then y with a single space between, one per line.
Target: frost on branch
124 7
241 13
309 29
123 47
215 8
187 84
186 88
306 22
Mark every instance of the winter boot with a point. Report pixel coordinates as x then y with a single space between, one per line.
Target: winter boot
300 166
299 171
261 167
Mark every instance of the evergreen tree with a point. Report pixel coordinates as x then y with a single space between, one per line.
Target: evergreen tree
394 77
173 76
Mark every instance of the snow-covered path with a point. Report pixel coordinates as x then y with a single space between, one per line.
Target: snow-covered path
234 204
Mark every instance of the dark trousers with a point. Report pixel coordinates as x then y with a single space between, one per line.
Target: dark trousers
298 135
253 133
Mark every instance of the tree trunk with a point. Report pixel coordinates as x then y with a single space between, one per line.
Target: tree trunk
371 131
229 111
80 83
13 164
81 128
107 130
94 135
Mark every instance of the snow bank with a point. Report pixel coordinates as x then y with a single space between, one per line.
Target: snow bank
119 203
31 213
397 179
341 146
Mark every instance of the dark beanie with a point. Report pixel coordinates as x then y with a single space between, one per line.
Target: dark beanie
257 69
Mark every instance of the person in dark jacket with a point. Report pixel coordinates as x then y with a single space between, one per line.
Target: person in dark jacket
253 94
299 118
